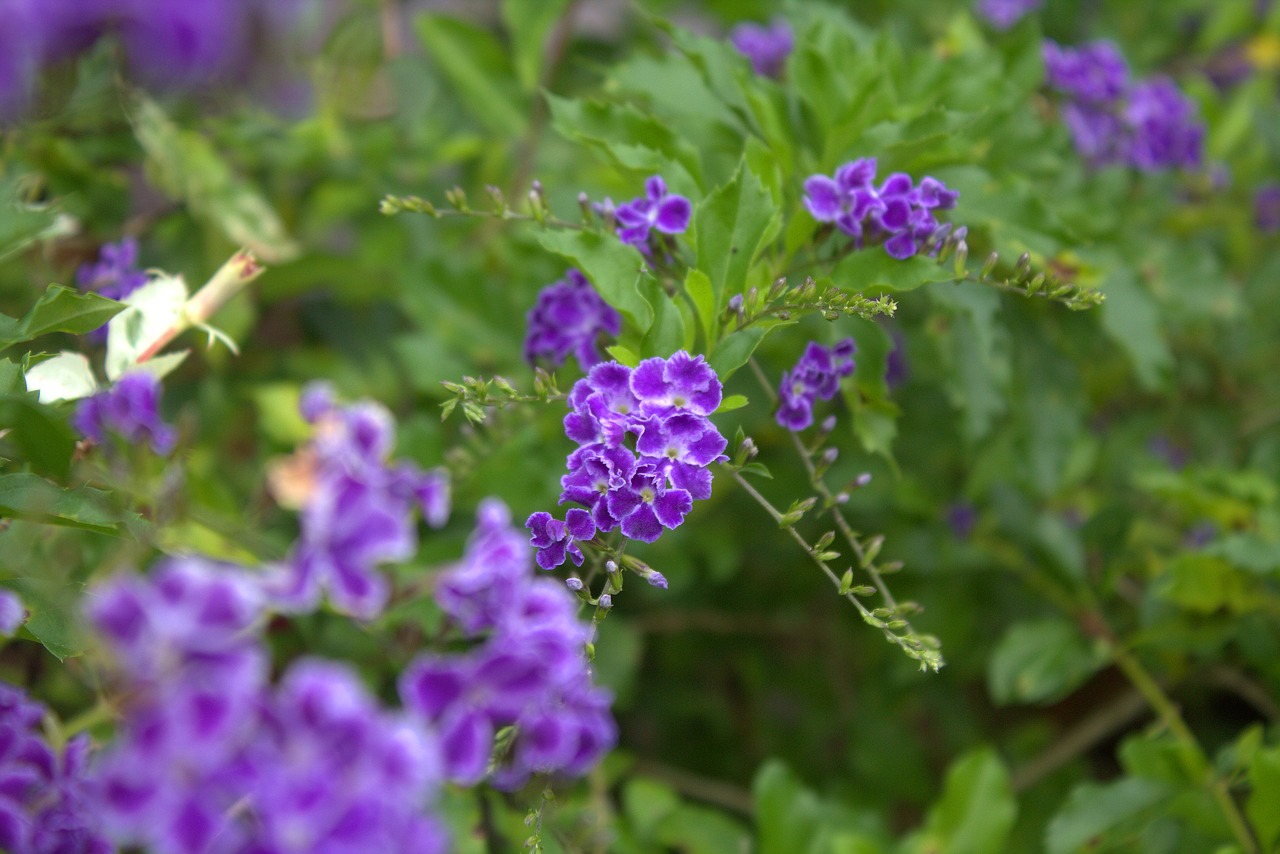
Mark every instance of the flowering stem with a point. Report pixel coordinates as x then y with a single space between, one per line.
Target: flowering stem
231 278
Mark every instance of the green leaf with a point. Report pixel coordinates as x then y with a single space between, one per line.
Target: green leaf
1201 583
1094 809
975 352
529 22
874 268
786 812
646 803
698 286
1039 661
185 165
1130 316
976 811
59 309
67 376
42 436
55 618
666 335
152 310
1263 806
613 267
32 498
478 67
734 349
700 830
732 402
623 355
731 225
633 139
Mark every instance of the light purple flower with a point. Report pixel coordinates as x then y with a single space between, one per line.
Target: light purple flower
656 209
766 47
816 376
1094 72
1003 14
1164 133
568 318
130 410
12 613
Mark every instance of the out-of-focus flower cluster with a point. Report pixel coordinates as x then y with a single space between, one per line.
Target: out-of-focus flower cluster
1003 14
209 757
766 47
1266 208
568 318
657 209
897 212
43 794
166 42
816 376
359 508
664 404
1148 124
130 409
115 275
527 689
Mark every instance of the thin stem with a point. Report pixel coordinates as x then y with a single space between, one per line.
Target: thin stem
1195 761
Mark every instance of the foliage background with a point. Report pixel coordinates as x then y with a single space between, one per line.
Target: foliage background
1120 464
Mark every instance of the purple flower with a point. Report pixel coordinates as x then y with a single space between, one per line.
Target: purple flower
359 513
1148 124
556 540
656 209
12 613
961 519
1095 72
1266 208
816 375
44 797
130 410
1003 14
897 212
766 47
569 317
530 673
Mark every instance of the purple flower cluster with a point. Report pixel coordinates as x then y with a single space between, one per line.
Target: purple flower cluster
129 409
1148 124
166 42
569 317
766 47
210 758
1266 208
664 404
360 512
115 275
527 688
897 212
1003 14
669 213
44 803
816 375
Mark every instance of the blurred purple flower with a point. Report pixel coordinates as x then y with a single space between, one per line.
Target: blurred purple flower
766 47
1003 14
1266 208
114 275
961 518
130 410
569 317
1094 72
12 613
816 375
656 209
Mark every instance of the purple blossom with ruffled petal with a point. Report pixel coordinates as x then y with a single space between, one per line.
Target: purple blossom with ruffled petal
1003 14
568 318
556 540
816 376
114 275
658 209
766 47
129 410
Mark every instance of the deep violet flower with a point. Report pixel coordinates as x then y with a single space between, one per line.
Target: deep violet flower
568 318
656 209
129 410
114 275
1266 208
766 47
